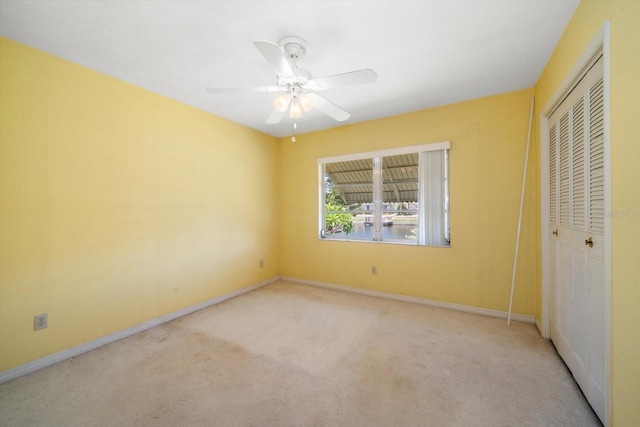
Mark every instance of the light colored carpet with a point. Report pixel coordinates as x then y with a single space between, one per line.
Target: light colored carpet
294 355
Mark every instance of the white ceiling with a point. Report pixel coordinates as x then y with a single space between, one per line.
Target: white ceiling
426 53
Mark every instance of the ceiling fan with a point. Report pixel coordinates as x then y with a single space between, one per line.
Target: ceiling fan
297 84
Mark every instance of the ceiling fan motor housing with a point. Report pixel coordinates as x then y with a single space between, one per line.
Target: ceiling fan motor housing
295 47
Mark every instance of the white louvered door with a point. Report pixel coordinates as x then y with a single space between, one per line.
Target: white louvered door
576 239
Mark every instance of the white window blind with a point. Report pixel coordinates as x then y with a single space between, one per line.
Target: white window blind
432 198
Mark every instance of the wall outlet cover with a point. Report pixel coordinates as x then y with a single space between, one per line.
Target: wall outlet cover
40 321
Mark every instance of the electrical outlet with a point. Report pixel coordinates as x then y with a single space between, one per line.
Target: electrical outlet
40 322
261 263
374 270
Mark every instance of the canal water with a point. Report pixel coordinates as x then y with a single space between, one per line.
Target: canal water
395 232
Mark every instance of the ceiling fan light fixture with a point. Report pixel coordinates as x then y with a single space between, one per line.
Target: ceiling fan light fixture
306 101
282 102
295 111
297 86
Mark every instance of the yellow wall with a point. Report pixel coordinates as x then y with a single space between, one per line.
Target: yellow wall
488 138
625 178
118 205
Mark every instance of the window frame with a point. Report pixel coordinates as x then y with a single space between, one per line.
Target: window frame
374 156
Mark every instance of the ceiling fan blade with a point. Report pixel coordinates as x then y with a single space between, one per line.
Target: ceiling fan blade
254 89
274 55
329 108
275 117
341 80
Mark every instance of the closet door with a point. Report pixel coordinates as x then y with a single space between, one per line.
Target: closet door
576 239
595 251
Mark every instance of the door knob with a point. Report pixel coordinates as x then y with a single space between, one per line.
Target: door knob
555 232
589 242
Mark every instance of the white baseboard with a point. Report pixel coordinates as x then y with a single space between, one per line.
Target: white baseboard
30 367
433 303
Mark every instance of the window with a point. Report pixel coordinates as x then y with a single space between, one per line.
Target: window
394 196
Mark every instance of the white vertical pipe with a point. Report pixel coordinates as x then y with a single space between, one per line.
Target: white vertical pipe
524 181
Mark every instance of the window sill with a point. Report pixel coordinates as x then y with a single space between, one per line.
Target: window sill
383 242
